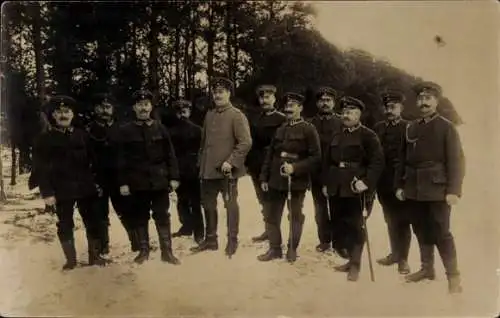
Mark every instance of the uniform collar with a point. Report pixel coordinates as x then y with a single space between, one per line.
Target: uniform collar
393 122
148 122
63 130
105 124
269 112
351 129
294 122
427 119
326 116
223 108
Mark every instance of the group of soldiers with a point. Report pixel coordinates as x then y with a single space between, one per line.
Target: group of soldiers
415 168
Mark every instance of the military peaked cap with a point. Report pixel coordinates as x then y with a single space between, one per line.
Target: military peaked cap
328 91
181 103
351 102
290 96
392 96
266 88
102 98
141 94
60 101
222 82
428 87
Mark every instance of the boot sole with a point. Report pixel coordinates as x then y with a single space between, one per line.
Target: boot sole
419 280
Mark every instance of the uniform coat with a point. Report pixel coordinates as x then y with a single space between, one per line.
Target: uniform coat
433 163
226 137
262 130
101 137
326 126
391 136
146 157
186 139
360 152
299 139
64 164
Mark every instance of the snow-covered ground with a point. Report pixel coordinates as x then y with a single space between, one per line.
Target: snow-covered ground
209 284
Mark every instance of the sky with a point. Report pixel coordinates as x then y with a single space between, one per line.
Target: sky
403 33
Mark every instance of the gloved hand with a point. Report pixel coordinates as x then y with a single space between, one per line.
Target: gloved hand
452 199
124 190
174 185
264 186
400 194
50 201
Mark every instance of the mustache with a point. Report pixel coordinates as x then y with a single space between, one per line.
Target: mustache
424 106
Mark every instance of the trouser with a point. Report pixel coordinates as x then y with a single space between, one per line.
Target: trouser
321 214
65 223
210 189
145 202
431 224
102 209
347 226
261 195
24 157
277 201
398 225
189 206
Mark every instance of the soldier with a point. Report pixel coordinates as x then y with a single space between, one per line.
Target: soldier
102 132
65 177
351 169
263 129
431 179
225 143
186 138
326 123
391 134
293 154
148 171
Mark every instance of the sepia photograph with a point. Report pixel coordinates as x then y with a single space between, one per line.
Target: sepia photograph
239 158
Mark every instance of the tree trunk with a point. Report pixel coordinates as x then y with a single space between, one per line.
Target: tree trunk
37 45
211 45
3 196
229 38
177 51
192 65
154 45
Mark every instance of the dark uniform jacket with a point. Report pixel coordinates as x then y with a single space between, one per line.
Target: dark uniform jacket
357 153
326 126
391 136
296 143
262 127
146 158
433 162
101 137
226 137
64 164
186 138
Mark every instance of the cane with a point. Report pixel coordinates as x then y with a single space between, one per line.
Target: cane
228 197
366 210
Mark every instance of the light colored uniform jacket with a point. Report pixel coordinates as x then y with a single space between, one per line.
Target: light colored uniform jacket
226 137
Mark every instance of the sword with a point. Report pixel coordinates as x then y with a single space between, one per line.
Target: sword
367 209
289 205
